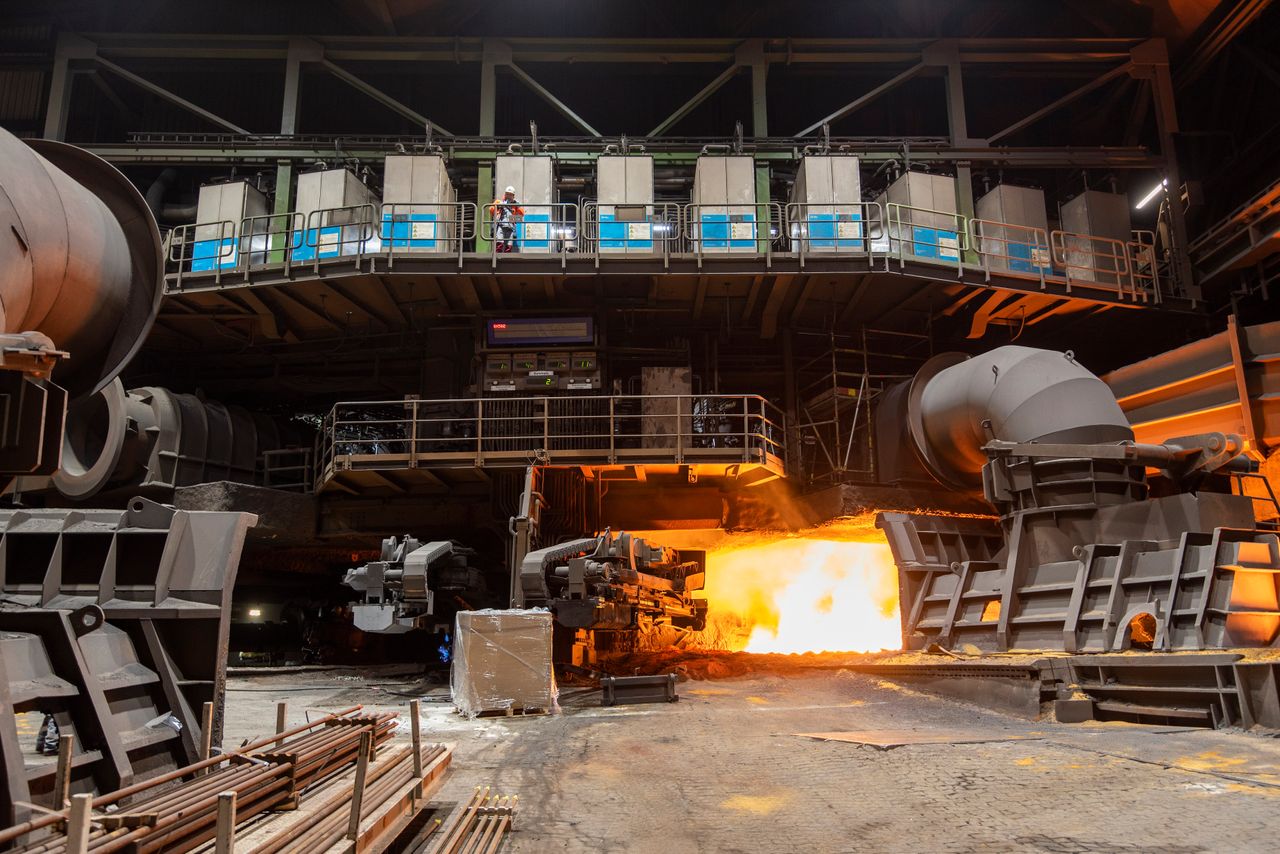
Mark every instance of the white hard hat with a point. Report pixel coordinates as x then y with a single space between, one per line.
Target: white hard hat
511 190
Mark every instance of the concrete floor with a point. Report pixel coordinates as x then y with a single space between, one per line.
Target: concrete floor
723 770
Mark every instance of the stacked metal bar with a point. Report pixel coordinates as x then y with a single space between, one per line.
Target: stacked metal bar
163 814
330 819
478 827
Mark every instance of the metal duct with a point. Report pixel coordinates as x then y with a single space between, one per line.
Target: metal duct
957 404
80 258
153 439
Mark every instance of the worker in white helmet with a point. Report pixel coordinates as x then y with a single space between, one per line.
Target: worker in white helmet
506 212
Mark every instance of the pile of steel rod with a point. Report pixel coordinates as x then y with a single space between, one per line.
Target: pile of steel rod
385 777
478 827
179 817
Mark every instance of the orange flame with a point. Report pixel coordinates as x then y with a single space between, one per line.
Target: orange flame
803 594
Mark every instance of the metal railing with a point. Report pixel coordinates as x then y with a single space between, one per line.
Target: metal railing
413 229
288 469
1144 266
758 229
658 232
347 231
1131 268
543 230
1015 250
203 247
855 228
604 430
925 234
1089 260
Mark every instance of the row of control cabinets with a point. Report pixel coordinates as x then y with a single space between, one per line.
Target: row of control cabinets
337 214
534 372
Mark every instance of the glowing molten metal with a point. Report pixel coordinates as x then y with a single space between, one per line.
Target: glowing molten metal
803 595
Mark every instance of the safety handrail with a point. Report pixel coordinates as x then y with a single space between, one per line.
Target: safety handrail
1144 265
659 233
726 235
1011 249
852 228
321 224
545 229
431 227
280 240
1090 260
185 240
736 428
923 234
288 469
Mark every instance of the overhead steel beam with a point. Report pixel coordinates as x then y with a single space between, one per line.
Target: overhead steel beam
551 99
161 92
469 49
859 103
381 97
1233 23
232 150
702 95
1062 102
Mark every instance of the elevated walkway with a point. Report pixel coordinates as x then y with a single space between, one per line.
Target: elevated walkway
435 445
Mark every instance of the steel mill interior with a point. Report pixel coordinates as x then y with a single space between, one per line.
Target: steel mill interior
567 425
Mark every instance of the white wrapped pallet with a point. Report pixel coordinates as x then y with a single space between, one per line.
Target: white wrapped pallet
502 662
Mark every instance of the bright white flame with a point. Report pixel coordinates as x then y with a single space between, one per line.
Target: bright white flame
806 595
1155 191
255 612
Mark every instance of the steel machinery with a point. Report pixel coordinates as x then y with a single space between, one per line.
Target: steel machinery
419 205
227 216
613 583
1011 229
151 440
336 214
416 585
113 623
619 585
545 226
826 213
80 273
1098 543
724 217
1096 230
625 209
921 218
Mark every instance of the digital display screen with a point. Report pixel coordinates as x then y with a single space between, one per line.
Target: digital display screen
526 331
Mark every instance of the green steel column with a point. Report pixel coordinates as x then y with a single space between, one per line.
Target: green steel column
762 205
283 205
300 50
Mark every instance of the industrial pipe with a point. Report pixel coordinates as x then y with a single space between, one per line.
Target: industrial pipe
956 405
153 439
80 258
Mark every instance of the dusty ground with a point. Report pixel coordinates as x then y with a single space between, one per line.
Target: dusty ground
723 770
